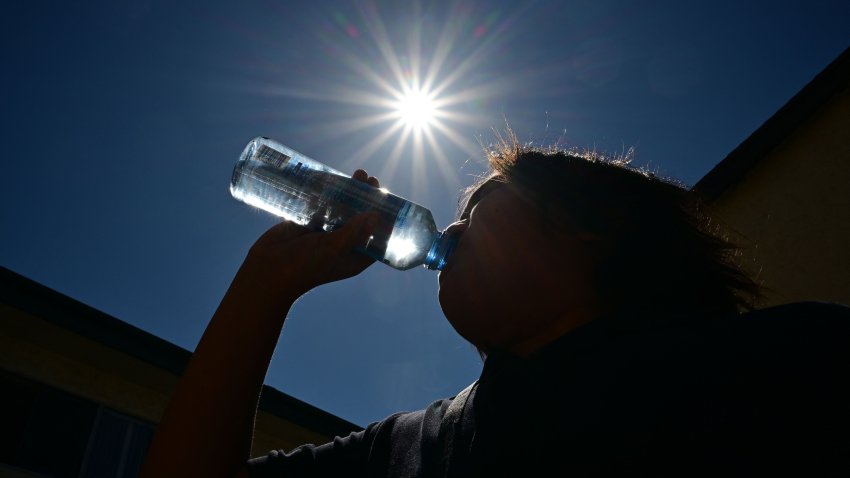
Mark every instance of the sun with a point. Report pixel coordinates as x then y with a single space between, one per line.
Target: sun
416 109
410 106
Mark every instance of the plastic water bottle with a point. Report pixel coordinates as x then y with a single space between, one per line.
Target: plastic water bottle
286 183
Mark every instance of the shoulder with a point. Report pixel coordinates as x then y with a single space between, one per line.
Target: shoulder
804 331
787 329
803 341
814 312
769 388
805 338
407 442
788 381
400 431
410 428
786 363
381 446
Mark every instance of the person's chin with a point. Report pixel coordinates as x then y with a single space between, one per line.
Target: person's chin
444 273
450 286
452 302
463 322
444 276
447 296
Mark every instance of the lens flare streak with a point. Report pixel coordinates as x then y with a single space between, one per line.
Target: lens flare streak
424 92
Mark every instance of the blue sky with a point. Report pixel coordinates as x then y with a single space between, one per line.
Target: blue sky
121 122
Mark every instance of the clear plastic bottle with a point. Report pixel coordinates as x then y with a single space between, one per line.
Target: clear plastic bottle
288 184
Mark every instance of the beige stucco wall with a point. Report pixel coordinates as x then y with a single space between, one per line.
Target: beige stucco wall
793 211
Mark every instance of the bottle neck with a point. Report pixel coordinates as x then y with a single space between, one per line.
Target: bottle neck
440 251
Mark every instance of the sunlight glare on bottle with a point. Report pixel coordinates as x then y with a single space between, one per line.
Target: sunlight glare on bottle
399 249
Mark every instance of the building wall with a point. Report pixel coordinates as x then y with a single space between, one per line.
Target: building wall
42 359
46 353
792 211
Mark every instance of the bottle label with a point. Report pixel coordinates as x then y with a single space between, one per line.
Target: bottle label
324 200
272 157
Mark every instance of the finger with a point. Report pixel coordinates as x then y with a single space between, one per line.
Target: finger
354 234
275 236
360 175
373 181
284 230
317 220
351 260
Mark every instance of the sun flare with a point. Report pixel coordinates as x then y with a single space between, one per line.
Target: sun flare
408 95
416 109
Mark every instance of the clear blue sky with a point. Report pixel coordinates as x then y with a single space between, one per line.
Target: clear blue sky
121 122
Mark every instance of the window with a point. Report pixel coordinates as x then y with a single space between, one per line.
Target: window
117 446
56 434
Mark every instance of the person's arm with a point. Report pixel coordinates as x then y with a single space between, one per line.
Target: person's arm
208 425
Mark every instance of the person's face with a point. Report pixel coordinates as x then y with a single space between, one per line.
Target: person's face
511 283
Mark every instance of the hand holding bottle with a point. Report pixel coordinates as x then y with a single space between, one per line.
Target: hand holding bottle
290 259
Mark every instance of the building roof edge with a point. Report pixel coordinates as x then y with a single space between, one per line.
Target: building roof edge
33 298
826 84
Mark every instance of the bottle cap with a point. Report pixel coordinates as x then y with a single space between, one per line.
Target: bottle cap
440 251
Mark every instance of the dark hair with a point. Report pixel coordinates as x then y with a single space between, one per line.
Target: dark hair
660 251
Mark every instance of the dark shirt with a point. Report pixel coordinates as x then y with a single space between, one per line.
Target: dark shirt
762 393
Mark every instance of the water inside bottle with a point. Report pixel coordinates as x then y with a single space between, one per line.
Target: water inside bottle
279 180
